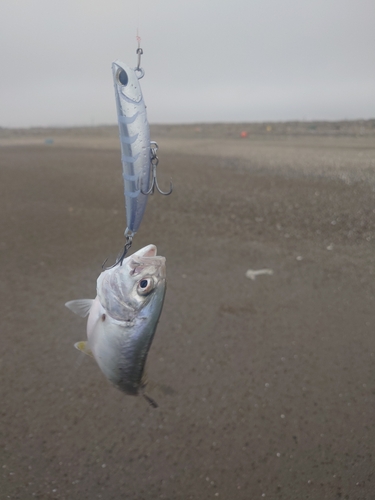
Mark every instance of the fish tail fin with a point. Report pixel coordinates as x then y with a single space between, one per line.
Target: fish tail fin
150 401
144 382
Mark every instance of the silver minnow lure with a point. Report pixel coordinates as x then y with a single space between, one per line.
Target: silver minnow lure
135 143
123 317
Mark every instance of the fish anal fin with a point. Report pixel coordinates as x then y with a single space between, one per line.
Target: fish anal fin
83 347
81 307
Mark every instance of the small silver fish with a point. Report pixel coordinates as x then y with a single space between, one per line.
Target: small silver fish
134 133
123 317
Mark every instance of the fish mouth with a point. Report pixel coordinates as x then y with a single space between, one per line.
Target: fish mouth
147 251
146 261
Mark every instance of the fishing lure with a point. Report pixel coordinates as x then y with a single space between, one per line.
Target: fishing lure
138 153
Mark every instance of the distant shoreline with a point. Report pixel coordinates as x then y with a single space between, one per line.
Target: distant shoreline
340 127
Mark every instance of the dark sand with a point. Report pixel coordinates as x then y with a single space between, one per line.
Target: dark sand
266 388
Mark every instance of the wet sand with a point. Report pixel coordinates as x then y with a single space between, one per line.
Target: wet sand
266 387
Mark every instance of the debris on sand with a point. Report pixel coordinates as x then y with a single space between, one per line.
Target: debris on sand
253 273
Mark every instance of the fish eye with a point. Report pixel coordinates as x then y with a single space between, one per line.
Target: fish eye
122 77
145 286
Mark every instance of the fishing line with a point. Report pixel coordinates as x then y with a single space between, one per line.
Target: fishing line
138 38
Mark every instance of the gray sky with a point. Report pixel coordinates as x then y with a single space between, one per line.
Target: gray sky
205 60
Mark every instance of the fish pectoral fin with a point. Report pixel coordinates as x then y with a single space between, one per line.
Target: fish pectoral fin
81 307
83 347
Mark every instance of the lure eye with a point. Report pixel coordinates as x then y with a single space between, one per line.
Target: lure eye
145 286
122 77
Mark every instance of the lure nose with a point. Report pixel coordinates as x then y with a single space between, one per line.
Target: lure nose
126 81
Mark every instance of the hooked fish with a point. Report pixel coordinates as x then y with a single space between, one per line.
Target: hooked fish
134 134
123 317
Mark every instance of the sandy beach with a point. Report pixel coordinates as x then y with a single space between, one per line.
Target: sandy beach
265 386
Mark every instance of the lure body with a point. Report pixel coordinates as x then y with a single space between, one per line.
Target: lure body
134 133
123 317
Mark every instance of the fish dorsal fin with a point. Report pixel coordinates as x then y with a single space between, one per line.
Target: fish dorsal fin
83 347
81 307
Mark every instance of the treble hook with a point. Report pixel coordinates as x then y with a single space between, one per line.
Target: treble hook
154 181
128 244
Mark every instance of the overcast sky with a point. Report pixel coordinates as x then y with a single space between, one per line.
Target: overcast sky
205 60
